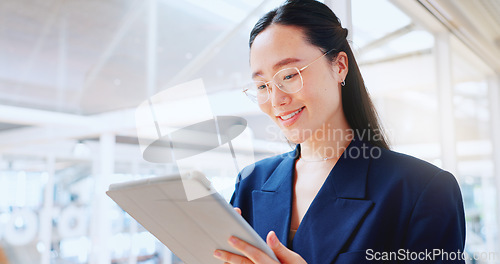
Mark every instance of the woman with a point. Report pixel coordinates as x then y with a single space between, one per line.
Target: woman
341 196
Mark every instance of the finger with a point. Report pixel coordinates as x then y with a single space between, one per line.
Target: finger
282 253
272 240
229 257
254 254
238 210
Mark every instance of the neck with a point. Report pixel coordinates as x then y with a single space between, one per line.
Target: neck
326 144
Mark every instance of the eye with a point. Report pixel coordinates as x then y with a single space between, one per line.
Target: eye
261 87
289 76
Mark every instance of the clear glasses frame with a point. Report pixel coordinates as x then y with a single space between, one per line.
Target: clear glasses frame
288 80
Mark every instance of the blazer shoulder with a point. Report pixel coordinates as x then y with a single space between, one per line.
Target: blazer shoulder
405 162
260 171
392 166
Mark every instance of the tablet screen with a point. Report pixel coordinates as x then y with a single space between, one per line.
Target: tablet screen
191 228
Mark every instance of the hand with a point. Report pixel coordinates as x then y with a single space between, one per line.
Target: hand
252 254
238 210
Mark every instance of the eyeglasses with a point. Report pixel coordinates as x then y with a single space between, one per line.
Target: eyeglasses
288 80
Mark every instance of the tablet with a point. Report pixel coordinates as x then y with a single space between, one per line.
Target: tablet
191 229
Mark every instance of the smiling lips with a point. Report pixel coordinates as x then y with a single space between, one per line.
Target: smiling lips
290 118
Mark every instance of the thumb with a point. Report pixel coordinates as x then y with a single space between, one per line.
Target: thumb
284 254
238 210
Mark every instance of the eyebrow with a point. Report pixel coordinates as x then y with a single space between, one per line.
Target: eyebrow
278 65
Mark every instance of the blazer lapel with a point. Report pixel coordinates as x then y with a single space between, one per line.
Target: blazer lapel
333 217
272 204
338 209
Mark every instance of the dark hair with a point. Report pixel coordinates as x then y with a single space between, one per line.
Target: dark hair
322 28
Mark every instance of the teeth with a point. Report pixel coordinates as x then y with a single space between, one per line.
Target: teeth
286 117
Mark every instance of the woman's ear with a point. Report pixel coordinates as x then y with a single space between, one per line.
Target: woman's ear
343 66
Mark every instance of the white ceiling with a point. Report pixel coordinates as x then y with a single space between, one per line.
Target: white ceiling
92 57
88 57
476 23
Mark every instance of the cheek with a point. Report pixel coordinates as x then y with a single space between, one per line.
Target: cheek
314 92
266 108
324 95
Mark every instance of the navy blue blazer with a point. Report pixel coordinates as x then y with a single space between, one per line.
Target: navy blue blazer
386 202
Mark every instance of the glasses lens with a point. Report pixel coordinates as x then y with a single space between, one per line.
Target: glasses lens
289 80
257 92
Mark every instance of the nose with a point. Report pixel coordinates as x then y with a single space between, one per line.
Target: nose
278 97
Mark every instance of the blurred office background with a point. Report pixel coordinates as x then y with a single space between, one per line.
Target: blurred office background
73 72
